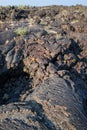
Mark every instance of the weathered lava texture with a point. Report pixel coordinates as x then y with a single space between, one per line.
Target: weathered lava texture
43 74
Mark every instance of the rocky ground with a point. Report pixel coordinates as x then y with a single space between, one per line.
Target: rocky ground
43 71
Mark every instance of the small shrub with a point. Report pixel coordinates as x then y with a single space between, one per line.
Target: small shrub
21 31
22 7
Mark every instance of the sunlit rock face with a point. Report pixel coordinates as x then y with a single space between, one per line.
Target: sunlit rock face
43 68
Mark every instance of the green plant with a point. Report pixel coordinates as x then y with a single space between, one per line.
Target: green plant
21 31
22 7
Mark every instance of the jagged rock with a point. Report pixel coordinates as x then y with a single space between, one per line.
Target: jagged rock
5 49
7 35
58 100
32 94
52 105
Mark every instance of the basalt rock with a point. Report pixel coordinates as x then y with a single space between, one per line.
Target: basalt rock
43 73
52 106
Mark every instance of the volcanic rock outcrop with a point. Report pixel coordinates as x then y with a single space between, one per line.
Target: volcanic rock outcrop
43 68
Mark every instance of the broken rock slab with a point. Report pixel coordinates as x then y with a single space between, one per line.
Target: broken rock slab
53 105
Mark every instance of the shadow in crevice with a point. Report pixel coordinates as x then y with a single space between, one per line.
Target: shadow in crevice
74 47
13 82
15 88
